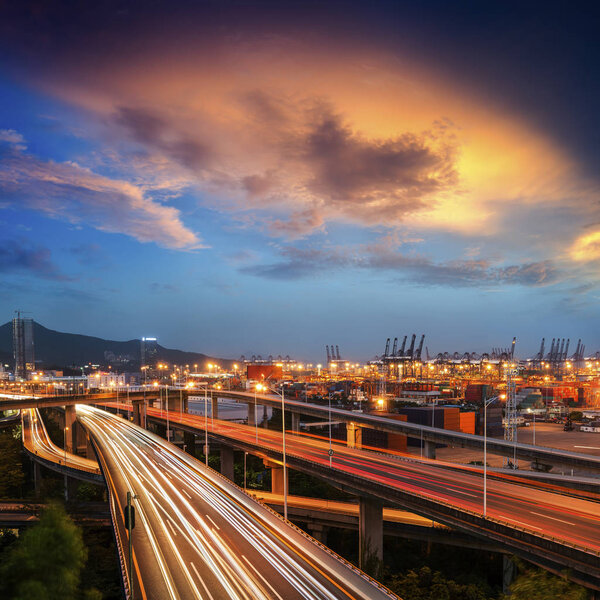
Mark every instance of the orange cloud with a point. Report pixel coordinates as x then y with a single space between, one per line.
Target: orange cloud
338 133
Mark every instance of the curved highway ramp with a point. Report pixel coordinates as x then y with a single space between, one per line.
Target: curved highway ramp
197 535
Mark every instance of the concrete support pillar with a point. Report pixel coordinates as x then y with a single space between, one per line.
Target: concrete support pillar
70 489
189 439
370 528
214 407
429 449
252 414
89 448
227 462
319 532
276 477
70 429
353 435
139 413
295 422
509 572
37 478
161 430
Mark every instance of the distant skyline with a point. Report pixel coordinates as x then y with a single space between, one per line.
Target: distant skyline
268 178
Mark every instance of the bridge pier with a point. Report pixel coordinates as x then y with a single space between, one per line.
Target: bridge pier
509 573
214 407
276 477
353 435
295 422
370 530
70 489
37 478
89 448
227 462
189 439
139 413
319 532
252 414
429 449
70 437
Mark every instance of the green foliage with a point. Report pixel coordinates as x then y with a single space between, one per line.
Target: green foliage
425 584
11 467
46 562
536 584
92 594
102 570
88 492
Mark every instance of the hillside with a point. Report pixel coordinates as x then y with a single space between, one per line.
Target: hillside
58 349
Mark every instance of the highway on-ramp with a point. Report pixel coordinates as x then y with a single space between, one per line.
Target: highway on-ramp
199 536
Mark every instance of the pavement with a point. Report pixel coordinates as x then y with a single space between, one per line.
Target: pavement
199 536
540 510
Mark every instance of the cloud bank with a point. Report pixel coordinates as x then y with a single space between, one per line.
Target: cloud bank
72 193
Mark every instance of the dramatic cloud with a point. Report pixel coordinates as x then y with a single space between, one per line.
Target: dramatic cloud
70 192
300 263
586 248
377 178
18 257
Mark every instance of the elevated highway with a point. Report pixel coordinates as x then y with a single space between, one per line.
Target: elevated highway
430 435
42 450
199 536
556 531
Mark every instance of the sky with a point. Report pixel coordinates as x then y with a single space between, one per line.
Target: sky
271 177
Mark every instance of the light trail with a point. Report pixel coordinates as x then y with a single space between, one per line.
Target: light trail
199 536
574 521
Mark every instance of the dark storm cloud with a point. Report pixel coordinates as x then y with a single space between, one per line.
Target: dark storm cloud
396 172
157 133
20 257
300 263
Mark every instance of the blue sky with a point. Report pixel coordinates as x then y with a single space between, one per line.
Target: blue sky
272 180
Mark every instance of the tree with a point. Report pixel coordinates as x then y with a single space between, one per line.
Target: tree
47 560
425 584
536 584
11 468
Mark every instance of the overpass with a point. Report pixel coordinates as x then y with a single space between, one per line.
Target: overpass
354 422
43 451
199 536
547 528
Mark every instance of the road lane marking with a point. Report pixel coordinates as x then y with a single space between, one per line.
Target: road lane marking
553 518
588 447
525 524
216 526
201 581
186 493
262 577
464 493
171 527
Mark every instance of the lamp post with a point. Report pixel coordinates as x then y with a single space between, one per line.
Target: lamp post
285 486
206 422
330 448
285 483
167 401
485 405
65 442
259 387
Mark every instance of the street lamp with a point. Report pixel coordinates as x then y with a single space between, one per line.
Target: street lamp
285 483
485 405
330 448
206 422
258 388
